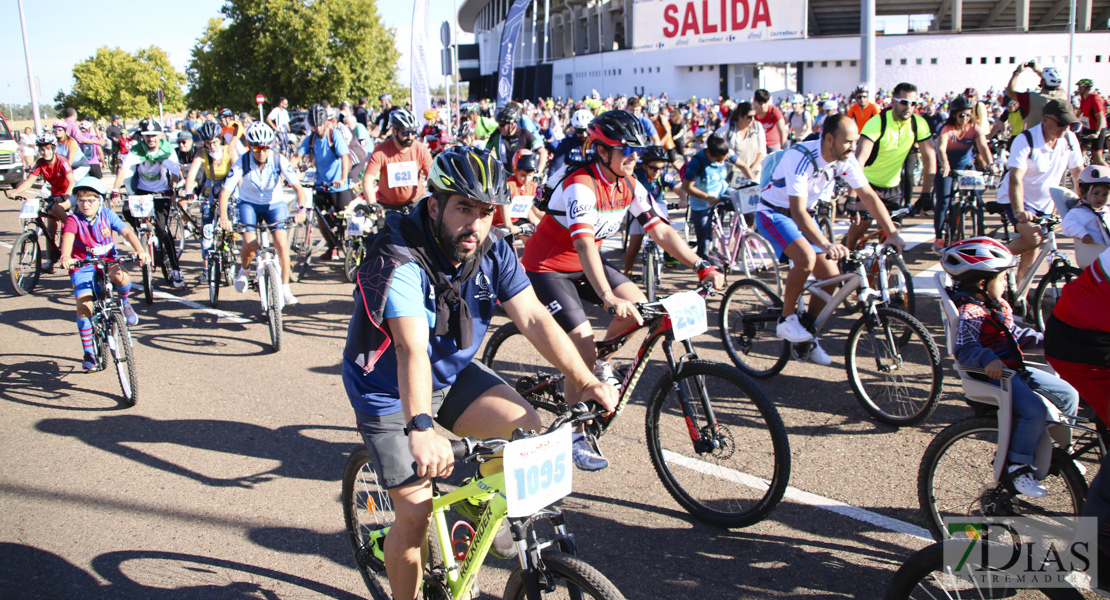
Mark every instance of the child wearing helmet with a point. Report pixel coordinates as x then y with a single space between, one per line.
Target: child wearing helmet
988 339
1089 221
55 171
88 232
432 132
522 188
649 172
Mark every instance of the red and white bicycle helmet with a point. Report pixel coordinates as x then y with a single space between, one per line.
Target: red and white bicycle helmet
981 255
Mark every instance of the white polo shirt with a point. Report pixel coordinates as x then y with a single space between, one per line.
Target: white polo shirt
1043 167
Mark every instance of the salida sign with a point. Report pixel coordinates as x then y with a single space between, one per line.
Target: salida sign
662 24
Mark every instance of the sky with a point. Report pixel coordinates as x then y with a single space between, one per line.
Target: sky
128 25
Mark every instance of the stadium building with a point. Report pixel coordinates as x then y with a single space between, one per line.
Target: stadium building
706 48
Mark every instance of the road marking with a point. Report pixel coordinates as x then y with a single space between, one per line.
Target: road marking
925 282
212 311
800 496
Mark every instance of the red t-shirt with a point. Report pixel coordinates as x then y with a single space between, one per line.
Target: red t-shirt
1083 302
54 173
515 189
768 120
1089 109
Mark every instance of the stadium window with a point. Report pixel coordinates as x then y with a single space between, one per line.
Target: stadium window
982 60
969 61
902 61
932 61
998 60
840 63
889 62
690 69
824 63
1098 58
920 61
1013 60
853 63
809 64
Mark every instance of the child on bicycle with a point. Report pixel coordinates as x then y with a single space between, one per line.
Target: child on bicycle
56 172
88 232
520 184
987 339
1089 221
650 174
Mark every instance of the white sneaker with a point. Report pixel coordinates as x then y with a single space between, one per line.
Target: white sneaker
203 278
286 293
1024 483
818 356
178 279
241 280
585 457
791 330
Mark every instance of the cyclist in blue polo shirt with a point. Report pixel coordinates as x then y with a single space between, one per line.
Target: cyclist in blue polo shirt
332 156
705 180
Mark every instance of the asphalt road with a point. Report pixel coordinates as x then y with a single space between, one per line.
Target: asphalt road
224 480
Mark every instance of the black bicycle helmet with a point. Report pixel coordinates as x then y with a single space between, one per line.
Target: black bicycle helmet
508 114
960 103
653 154
208 130
226 113
617 128
471 172
317 115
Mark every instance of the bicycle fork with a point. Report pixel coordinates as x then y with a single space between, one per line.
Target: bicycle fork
892 345
705 439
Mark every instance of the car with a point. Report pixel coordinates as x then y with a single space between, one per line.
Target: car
11 164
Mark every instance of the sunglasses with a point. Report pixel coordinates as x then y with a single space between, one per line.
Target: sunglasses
259 148
652 167
505 123
630 151
966 115
406 134
87 200
906 102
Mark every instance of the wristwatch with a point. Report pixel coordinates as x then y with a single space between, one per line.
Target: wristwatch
421 422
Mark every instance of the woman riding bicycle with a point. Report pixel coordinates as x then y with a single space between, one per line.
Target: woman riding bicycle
88 233
215 160
563 258
962 144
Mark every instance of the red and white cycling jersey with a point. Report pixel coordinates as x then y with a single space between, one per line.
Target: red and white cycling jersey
576 210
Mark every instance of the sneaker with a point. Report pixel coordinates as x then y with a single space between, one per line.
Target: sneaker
129 314
203 278
586 458
178 279
241 280
287 294
503 546
938 245
1024 483
791 330
89 363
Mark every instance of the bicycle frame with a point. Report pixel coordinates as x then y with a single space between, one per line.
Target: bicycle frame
1048 249
39 225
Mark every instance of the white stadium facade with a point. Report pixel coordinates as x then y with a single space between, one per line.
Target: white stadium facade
707 48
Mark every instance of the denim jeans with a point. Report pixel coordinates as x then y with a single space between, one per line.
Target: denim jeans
1030 411
702 220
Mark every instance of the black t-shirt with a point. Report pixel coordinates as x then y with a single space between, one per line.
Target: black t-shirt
113 133
362 116
383 120
186 158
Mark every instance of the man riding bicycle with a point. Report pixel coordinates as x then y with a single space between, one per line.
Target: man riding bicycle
404 161
56 172
563 257
424 302
1092 113
327 150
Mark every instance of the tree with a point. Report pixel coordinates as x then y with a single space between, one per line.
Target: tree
117 82
307 51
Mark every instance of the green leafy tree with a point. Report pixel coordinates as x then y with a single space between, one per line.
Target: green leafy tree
307 51
117 82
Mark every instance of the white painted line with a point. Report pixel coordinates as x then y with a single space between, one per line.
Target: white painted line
925 283
803 497
6 245
212 311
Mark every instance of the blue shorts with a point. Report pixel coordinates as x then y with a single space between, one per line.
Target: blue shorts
780 230
1008 210
270 214
84 282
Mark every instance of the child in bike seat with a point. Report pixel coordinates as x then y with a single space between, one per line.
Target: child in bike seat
1089 221
987 339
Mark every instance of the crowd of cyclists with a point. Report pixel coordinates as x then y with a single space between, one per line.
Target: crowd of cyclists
584 171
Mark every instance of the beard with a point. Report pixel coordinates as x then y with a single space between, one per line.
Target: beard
451 245
406 142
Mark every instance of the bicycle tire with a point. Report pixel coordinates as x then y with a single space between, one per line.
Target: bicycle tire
301 242
25 263
754 348
751 448
826 227
509 353
272 281
956 479
215 277
352 261
1048 290
123 355
924 576
366 508
899 283
175 226
650 270
148 269
758 261
576 576
891 402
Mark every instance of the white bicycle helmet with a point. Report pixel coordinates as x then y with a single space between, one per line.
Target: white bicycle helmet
47 139
402 119
830 105
981 255
1051 77
797 99
581 119
259 134
1095 174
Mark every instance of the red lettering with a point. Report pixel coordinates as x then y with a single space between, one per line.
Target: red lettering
669 13
739 7
761 14
706 26
724 16
690 20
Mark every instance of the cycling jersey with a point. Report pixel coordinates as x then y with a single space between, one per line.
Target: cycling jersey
894 143
1089 110
961 146
260 181
328 152
484 127
232 132
516 190
53 173
707 176
152 169
93 237
862 114
1043 167
585 205
505 148
400 171
804 173
70 148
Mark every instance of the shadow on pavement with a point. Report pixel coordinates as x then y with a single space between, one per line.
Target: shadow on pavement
204 344
50 382
299 454
332 546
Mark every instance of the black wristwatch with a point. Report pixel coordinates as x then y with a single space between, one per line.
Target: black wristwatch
421 422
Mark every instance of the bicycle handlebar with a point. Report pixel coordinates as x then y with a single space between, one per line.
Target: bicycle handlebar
1046 221
100 260
651 310
468 449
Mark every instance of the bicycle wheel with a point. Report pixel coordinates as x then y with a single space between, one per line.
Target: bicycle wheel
753 346
215 276
368 514
515 359
894 367
899 283
175 226
956 479
25 263
571 576
1048 290
651 272
301 246
272 288
736 471
758 261
925 576
148 268
969 219
353 260
826 227
123 355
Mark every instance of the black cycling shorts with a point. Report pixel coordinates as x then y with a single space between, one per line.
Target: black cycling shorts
891 198
336 201
1097 144
562 293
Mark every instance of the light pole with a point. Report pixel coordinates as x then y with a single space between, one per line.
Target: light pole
30 76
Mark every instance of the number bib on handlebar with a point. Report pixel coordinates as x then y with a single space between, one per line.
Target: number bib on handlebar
30 208
687 313
537 472
401 174
356 225
141 206
520 207
971 180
